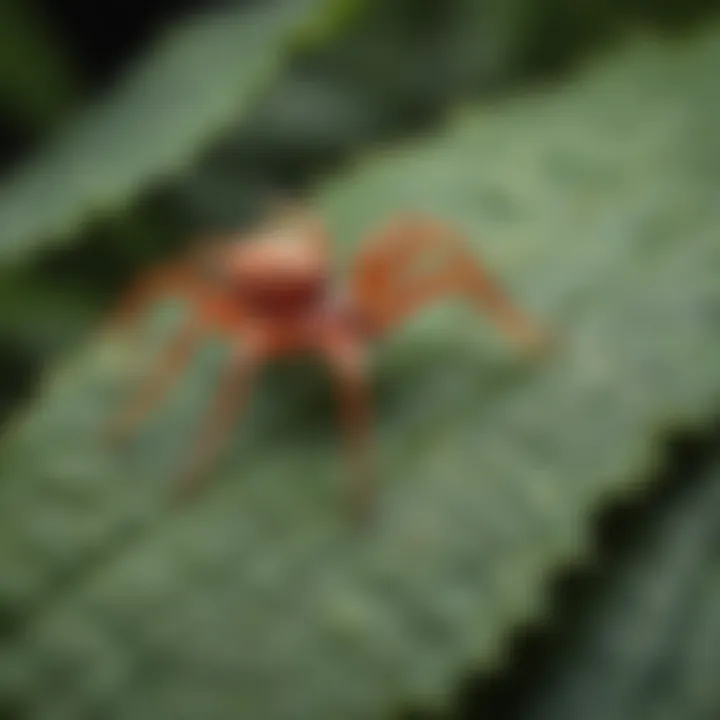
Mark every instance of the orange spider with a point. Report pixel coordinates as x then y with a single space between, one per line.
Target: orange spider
271 294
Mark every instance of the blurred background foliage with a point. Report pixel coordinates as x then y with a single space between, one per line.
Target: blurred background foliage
362 74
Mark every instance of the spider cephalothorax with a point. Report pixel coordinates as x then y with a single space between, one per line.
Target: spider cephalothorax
271 293
284 272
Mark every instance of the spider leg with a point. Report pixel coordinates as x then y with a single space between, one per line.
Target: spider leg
169 280
390 282
155 385
181 278
346 358
207 315
208 308
230 397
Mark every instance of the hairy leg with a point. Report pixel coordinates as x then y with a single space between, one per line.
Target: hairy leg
346 358
172 280
156 384
231 395
185 277
416 261
190 278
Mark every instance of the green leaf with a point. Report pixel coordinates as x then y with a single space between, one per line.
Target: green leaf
597 204
649 648
192 86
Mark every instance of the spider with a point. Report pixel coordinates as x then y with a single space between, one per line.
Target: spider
270 292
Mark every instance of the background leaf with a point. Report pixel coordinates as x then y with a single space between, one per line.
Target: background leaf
598 205
654 647
395 68
646 643
196 81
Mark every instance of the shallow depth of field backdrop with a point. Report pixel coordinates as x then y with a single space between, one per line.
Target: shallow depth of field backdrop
547 543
